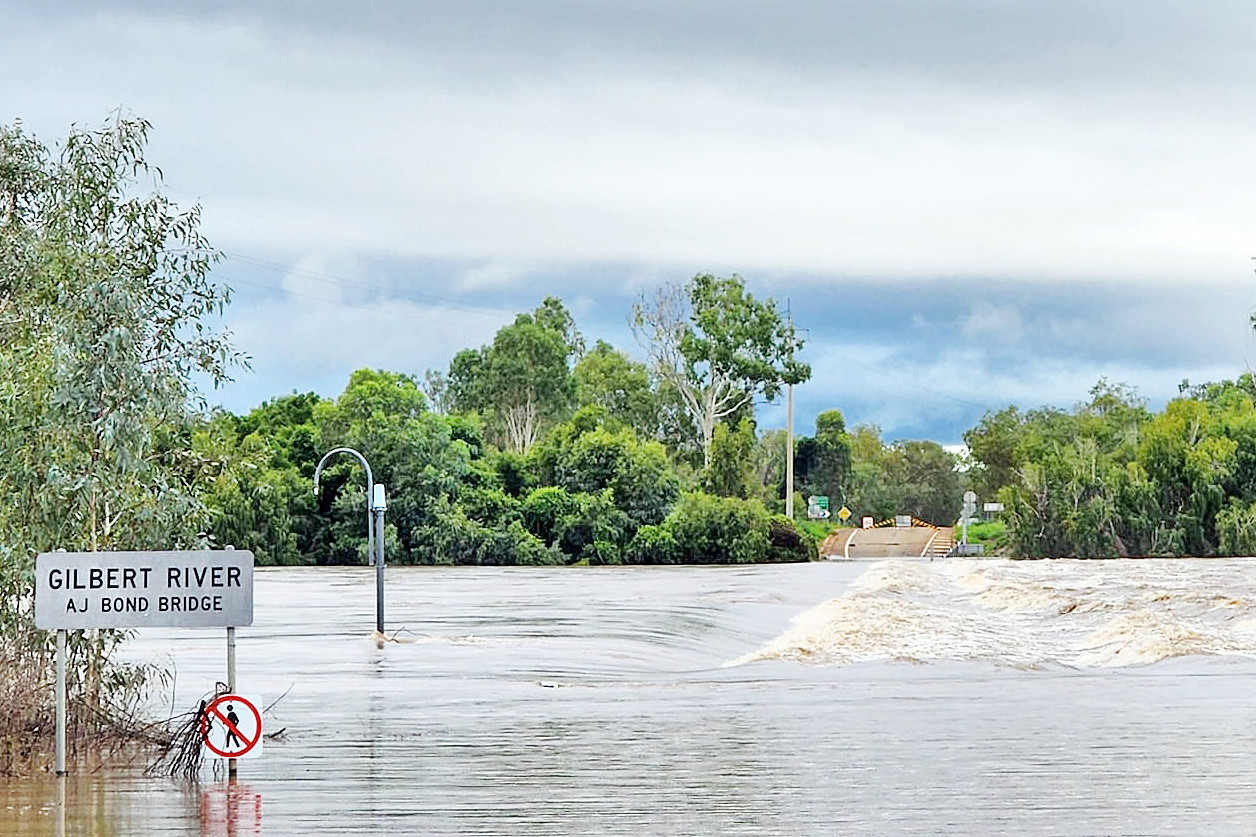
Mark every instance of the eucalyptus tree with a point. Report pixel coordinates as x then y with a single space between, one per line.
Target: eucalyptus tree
106 302
523 380
822 463
606 377
717 347
106 313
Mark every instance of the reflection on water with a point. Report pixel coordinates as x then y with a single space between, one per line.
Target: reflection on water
127 805
230 809
958 697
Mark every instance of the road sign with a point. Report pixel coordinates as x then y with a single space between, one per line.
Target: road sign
867 522
231 727
970 497
186 589
844 513
818 507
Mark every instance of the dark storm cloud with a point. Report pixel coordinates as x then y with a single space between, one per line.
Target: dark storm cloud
971 42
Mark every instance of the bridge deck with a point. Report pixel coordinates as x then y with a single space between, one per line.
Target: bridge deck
887 542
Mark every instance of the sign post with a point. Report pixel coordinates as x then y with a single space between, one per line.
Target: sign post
970 508
182 589
60 702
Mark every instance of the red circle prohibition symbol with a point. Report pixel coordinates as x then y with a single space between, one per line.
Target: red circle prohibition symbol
231 727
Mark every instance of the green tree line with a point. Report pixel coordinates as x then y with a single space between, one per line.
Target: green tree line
1111 478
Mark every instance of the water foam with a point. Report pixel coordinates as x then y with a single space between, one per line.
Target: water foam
1030 613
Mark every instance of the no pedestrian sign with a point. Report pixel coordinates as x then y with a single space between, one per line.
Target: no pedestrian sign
231 727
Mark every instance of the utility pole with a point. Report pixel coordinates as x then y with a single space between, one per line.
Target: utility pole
789 429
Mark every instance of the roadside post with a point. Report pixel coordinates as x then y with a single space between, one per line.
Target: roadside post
231 677
375 508
970 508
156 589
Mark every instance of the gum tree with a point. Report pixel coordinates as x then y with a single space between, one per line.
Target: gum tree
106 309
717 347
522 382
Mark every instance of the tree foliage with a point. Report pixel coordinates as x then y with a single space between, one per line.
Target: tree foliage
105 298
717 347
1109 478
106 312
523 380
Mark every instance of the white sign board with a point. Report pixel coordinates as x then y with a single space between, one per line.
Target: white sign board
231 727
186 589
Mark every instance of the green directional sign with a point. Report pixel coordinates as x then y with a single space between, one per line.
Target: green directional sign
818 507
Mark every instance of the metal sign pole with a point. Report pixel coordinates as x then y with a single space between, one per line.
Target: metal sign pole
231 687
231 675
60 702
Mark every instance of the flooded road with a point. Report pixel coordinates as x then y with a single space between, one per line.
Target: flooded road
831 698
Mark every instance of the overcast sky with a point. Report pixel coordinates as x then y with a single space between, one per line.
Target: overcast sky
966 204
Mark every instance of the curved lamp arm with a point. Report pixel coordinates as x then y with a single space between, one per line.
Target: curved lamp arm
370 480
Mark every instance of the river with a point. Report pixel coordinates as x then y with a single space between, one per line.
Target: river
896 697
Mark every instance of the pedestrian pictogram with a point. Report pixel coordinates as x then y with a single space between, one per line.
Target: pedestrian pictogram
231 727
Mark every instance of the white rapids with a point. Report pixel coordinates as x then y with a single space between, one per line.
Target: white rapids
1030 614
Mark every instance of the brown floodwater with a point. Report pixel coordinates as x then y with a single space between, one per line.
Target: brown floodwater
962 697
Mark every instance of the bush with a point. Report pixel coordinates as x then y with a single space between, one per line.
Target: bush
786 543
1236 529
456 539
720 530
492 507
544 509
594 521
652 545
512 470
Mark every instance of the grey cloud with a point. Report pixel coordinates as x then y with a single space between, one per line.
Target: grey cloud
975 42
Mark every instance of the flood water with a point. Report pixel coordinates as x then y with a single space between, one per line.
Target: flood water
898 697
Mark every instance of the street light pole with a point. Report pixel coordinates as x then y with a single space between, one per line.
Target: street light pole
375 506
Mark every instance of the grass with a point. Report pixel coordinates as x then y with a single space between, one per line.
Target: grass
990 533
103 723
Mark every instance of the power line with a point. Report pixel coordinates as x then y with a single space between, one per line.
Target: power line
383 291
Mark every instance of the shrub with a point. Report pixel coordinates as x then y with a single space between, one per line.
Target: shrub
720 530
652 545
544 509
786 543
